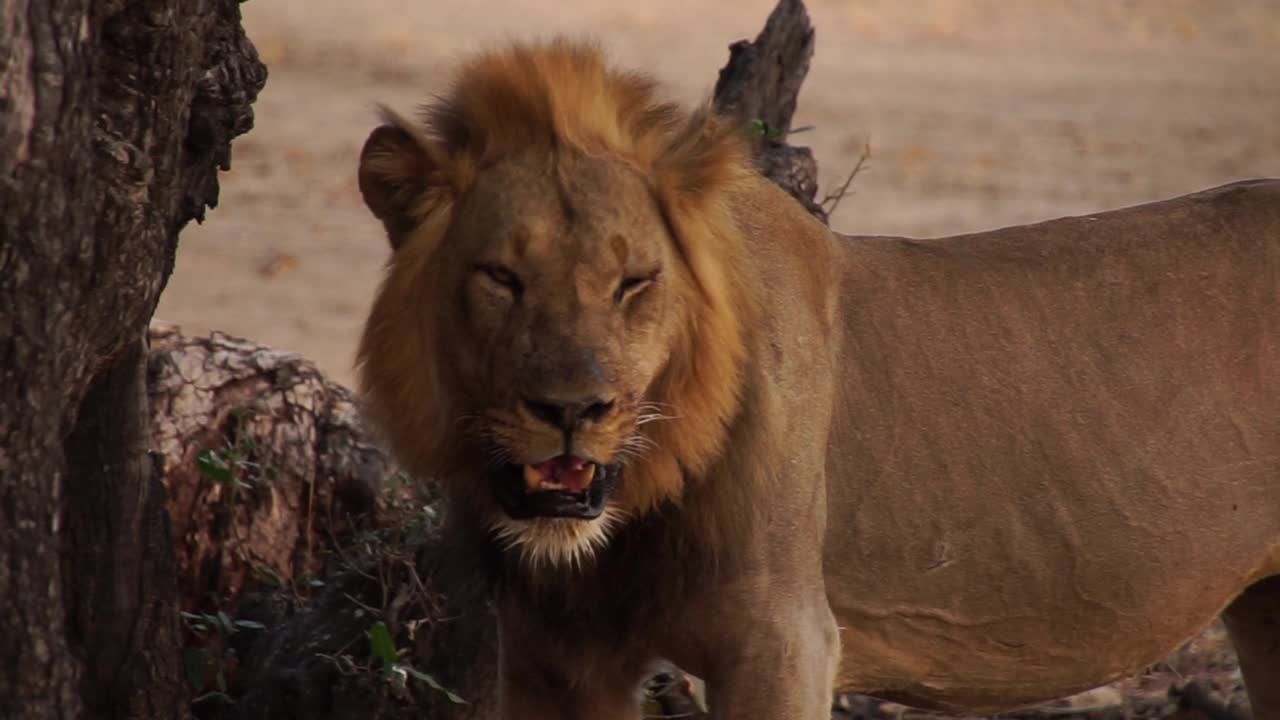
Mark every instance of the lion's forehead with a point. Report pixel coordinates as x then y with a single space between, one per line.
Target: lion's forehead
594 211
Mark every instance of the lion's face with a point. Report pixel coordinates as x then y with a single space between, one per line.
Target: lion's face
560 295
556 337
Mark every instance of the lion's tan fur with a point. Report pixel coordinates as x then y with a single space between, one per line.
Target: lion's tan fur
999 467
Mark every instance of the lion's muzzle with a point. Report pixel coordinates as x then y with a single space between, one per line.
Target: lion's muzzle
565 486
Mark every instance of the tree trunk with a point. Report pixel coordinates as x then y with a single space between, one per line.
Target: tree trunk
114 119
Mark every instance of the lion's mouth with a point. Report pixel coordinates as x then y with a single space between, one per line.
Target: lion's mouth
565 486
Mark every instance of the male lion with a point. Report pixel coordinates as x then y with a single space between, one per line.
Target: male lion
676 417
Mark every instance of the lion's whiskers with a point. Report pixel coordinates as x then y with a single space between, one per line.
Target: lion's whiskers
492 434
498 457
656 408
633 448
638 441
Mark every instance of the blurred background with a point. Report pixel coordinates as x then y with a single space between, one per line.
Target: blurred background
978 113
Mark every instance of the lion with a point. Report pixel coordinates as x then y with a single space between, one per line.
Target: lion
677 418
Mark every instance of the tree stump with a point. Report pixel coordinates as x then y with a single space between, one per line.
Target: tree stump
114 120
761 85
265 462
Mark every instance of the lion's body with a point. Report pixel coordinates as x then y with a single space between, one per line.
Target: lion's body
1057 447
967 473
1054 450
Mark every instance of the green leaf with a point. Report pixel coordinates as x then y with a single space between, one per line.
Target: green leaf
225 625
213 467
214 695
383 647
801 129
419 675
267 575
250 625
761 127
196 623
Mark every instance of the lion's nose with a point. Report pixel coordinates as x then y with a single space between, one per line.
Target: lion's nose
567 415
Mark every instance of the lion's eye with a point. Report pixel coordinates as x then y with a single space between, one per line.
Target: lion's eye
501 276
633 285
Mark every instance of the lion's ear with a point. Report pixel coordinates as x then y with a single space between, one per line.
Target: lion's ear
401 176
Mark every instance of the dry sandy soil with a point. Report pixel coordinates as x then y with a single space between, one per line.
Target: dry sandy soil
978 113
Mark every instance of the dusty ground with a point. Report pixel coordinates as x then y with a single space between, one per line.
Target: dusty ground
979 113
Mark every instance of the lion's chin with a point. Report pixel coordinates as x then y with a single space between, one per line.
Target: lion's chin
552 542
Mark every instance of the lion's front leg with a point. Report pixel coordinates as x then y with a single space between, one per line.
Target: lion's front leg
537 680
531 694
782 668
527 697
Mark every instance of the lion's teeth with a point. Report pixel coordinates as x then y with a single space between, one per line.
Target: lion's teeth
537 479
532 478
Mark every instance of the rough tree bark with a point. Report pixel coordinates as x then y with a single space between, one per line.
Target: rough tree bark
114 120
265 462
